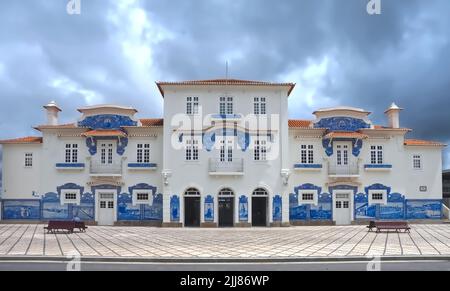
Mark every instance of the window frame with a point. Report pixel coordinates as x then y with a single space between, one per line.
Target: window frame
137 192
28 160
192 105
191 149
307 155
75 201
315 199
419 158
226 105
376 154
143 153
382 201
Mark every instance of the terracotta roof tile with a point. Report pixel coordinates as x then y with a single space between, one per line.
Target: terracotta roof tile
298 123
22 140
152 122
225 82
418 142
94 133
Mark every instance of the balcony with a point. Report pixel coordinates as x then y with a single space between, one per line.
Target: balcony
234 168
343 171
105 170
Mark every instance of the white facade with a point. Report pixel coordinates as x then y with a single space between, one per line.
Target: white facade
210 164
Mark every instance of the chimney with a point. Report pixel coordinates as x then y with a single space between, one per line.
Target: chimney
52 113
393 115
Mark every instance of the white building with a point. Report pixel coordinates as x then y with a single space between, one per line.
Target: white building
225 155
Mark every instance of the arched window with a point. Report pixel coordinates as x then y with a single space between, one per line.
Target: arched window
260 192
192 192
226 192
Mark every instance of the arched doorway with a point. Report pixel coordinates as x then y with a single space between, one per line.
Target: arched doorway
259 207
226 208
192 208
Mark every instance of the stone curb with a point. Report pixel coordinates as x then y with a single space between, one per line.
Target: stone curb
163 260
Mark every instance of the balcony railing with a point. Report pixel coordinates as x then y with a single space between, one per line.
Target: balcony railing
218 167
100 169
352 169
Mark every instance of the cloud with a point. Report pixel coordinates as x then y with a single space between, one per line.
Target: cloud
337 53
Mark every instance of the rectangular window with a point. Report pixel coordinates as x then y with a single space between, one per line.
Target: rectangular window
142 196
306 154
376 155
417 162
260 151
71 196
28 159
71 155
226 105
143 153
308 196
377 196
192 149
192 105
259 105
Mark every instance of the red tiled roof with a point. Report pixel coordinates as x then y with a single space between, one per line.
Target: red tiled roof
152 122
224 82
22 140
94 133
418 142
346 134
298 123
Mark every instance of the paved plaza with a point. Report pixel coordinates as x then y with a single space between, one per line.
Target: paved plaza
160 243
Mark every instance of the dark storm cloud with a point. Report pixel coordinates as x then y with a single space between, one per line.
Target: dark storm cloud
402 55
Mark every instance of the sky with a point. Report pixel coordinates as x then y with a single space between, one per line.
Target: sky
338 54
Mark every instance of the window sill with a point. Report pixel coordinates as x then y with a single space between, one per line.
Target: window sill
378 167
308 167
142 166
70 166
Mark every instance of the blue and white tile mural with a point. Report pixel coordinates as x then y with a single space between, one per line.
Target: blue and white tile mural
209 208
362 208
174 208
154 211
277 208
21 209
321 211
86 210
395 208
125 208
243 208
52 208
423 209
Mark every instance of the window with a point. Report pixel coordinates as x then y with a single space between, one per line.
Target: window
106 153
308 196
28 159
307 154
191 149
226 105
376 155
142 197
70 196
71 153
259 105
143 153
260 153
417 162
192 105
377 196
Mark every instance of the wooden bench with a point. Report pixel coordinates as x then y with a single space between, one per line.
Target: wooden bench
389 225
69 226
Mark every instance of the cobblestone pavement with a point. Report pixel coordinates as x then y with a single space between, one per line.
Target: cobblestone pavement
314 241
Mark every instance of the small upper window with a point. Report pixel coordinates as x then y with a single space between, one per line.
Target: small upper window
70 196
377 196
143 153
308 196
376 154
71 153
259 105
226 105
417 162
28 159
307 154
192 105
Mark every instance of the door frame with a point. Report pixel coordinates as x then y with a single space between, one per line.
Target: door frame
266 197
350 194
199 197
100 191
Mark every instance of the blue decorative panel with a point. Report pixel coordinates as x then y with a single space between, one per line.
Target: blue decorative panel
308 166
91 144
300 212
21 209
277 208
328 146
142 165
107 121
243 208
86 210
209 208
209 138
377 166
423 209
70 165
155 211
121 145
308 187
362 208
52 208
142 186
226 116
341 123
174 208
69 186
324 208
125 208
356 145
